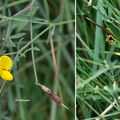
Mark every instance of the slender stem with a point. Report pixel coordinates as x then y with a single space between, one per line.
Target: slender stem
2 86
96 75
53 56
105 111
32 50
13 4
29 64
43 22
34 39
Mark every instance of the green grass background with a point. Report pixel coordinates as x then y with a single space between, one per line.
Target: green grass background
15 38
98 61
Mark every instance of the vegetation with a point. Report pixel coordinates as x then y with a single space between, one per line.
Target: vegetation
98 60
39 37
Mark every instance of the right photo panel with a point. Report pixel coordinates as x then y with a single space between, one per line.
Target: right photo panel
98 60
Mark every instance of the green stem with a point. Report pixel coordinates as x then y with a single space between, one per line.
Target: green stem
13 4
32 50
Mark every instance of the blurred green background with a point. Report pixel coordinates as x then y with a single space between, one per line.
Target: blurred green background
15 39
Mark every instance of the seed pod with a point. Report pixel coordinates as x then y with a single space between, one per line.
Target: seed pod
52 95
55 98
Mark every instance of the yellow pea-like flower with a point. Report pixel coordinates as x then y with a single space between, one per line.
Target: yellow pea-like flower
5 66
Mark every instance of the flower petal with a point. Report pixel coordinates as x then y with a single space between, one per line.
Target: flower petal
6 75
5 62
0 71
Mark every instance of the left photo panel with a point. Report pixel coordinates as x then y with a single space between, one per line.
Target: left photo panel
37 60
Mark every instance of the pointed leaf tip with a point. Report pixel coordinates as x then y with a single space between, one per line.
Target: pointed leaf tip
64 106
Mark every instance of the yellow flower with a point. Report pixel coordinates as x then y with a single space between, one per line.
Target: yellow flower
5 65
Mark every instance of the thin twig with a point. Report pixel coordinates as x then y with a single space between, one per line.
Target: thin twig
53 54
2 86
103 28
55 68
32 50
106 110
